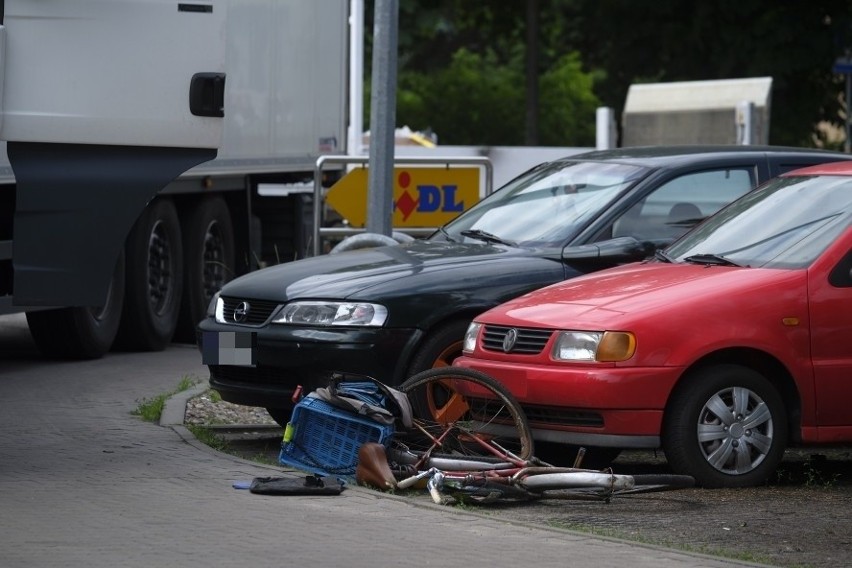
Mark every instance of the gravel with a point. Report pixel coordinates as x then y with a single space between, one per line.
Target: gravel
208 409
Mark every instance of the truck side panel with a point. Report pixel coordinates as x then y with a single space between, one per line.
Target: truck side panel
70 225
96 110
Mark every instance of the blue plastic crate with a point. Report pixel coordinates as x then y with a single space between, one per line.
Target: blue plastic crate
325 439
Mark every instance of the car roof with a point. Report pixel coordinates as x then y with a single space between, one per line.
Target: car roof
829 169
659 156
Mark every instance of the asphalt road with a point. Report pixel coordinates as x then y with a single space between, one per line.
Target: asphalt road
84 483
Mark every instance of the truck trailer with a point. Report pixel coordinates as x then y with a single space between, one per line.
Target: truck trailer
157 149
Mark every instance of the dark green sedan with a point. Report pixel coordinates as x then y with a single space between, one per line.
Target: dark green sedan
392 311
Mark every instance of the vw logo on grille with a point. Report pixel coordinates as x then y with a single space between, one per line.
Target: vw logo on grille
510 339
241 312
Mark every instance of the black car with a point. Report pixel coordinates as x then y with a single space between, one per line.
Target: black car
392 311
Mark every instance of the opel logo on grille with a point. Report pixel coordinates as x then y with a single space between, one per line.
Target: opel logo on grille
241 312
510 339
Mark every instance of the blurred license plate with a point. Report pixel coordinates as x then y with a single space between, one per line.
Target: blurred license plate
229 348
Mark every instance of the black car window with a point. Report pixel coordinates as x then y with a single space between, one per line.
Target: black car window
681 203
841 276
546 206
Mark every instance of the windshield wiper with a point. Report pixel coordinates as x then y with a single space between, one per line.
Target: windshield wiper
485 236
446 234
714 259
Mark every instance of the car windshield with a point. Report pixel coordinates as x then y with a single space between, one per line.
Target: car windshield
786 223
544 207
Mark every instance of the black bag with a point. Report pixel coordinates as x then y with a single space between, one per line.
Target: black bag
308 485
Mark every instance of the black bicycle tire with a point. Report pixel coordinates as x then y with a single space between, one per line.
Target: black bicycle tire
487 382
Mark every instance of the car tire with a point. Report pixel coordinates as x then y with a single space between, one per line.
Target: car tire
726 426
440 347
154 279
208 242
81 332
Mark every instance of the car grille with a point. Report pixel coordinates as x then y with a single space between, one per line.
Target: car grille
530 341
485 409
561 416
490 409
260 375
257 312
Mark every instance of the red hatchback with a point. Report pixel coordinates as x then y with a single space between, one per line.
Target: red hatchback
726 348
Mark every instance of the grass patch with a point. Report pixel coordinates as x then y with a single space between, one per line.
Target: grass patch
207 437
151 409
634 537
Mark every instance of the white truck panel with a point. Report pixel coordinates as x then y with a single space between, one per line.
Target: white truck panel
55 69
286 88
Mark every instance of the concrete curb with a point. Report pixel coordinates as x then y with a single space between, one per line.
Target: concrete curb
175 408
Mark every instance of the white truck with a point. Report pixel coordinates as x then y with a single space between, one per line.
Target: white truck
155 149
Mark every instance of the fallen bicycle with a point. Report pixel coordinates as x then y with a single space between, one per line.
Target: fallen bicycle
456 431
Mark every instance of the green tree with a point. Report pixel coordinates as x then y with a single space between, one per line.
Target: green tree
614 43
795 43
464 73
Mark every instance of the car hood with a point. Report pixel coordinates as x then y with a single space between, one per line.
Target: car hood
616 296
364 273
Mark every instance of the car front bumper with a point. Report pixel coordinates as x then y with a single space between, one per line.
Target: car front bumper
585 405
283 358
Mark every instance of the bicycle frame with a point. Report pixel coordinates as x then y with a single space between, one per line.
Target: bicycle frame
521 478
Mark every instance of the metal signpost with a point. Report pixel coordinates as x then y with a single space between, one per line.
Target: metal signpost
843 65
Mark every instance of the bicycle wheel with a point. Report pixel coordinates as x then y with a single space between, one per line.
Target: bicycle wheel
652 483
588 491
465 415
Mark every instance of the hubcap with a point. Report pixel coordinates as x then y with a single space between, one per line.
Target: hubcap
735 430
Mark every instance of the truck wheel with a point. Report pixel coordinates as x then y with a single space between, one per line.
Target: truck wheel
208 242
81 333
726 426
440 348
154 279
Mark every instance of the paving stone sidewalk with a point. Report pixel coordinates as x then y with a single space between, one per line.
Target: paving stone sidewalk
84 483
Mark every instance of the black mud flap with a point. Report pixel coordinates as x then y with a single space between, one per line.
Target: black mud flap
75 206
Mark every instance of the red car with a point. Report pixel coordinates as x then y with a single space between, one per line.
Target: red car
730 345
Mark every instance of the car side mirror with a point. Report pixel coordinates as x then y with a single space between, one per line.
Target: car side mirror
614 251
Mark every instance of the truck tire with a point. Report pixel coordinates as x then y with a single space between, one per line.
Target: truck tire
208 243
80 332
153 281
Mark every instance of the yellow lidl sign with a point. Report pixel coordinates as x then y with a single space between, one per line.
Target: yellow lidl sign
422 196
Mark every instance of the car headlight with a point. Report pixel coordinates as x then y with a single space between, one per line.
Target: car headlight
215 307
332 313
603 346
470 336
